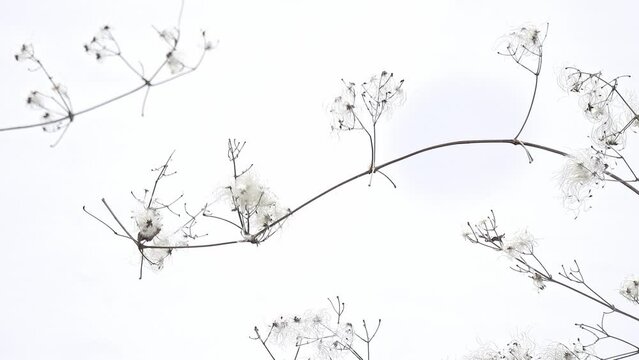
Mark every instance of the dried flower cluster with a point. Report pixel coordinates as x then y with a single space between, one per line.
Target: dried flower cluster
314 331
150 233
518 349
26 53
174 57
630 288
525 41
52 105
149 223
57 112
581 174
524 349
518 248
259 213
103 44
373 98
256 205
521 243
611 114
160 228
610 111
361 107
315 335
525 46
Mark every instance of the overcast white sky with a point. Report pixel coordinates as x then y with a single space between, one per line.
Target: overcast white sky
70 288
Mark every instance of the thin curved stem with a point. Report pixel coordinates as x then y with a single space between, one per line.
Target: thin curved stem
224 220
20 127
147 84
193 246
532 102
401 158
263 341
469 142
119 223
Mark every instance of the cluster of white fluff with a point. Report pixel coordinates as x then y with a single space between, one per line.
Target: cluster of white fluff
372 99
102 45
342 109
149 224
54 105
521 243
26 53
610 114
314 332
581 174
517 349
524 349
523 43
51 107
174 62
630 288
527 39
255 202
153 232
382 93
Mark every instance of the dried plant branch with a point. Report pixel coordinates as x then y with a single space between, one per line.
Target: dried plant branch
105 45
520 249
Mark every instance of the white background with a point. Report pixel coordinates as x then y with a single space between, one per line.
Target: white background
69 288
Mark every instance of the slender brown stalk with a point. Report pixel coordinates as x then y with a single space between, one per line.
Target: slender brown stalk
402 158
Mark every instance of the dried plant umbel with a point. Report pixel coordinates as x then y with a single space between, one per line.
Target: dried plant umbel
160 227
523 348
525 46
630 288
603 102
360 107
258 212
581 175
57 112
613 116
321 335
